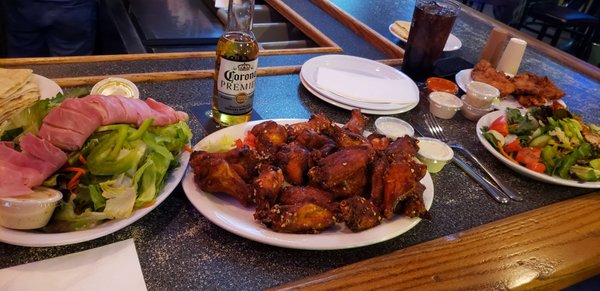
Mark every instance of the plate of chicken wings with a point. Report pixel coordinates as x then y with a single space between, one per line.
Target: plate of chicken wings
309 184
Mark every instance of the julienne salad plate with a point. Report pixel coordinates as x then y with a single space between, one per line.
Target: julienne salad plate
487 120
453 43
37 238
230 215
366 73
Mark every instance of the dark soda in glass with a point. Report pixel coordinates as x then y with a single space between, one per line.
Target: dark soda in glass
431 25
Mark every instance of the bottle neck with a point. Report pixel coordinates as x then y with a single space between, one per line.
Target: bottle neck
239 15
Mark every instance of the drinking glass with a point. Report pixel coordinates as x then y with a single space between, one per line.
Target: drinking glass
431 25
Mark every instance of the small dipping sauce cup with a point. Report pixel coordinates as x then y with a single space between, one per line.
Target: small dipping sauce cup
393 127
435 84
471 112
481 95
444 105
116 86
434 153
29 211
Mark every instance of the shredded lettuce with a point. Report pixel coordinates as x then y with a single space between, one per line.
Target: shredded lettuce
127 168
120 198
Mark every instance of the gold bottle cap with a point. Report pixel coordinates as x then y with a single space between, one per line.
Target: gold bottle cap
116 86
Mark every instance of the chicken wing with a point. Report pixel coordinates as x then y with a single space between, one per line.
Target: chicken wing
269 136
317 122
343 173
398 182
414 206
306 194
403 148
293 158
378 169
345 138
300 218
357 122
215 175
359 213
267 188
379 141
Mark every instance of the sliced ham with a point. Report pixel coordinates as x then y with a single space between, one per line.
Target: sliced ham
165 114
66 139
29 167
43 150
67 130
74 116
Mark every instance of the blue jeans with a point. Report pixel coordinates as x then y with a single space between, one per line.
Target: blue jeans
36 28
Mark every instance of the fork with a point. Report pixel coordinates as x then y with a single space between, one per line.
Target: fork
438 132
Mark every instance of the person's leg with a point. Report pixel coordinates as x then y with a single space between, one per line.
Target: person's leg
26 26
73 30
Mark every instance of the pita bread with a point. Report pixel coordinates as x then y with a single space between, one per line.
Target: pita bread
13 79
401 28
18 90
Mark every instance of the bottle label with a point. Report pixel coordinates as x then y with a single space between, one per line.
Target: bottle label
235 86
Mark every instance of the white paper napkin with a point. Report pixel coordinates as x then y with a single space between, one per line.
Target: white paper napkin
112 267
365 88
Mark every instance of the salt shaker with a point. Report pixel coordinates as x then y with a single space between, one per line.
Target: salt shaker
512 56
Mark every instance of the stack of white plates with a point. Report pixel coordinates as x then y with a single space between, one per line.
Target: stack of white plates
361 66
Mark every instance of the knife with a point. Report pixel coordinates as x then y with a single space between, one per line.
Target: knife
490 188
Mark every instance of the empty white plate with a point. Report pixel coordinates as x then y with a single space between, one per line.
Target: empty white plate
453 43
357 65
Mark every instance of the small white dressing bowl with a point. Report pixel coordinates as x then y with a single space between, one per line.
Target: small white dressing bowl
444 105
29 211
481 95
434 153
393 127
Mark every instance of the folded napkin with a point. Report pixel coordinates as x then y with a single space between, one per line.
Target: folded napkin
365 88
111 267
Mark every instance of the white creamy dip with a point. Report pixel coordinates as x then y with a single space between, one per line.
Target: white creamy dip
434 153
29 211
393 127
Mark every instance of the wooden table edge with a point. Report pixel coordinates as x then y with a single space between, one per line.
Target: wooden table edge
551 247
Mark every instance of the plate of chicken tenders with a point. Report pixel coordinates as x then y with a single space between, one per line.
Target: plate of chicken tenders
519 91
309 184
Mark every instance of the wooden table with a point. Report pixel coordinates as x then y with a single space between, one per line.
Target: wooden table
550 240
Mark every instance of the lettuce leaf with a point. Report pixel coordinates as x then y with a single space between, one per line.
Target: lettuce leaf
120 198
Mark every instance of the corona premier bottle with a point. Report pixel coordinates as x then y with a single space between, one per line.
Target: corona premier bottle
235 66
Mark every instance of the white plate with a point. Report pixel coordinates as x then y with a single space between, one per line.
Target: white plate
358 66
350 107
48 88
40 239
463 78
228 214
486 120
453 43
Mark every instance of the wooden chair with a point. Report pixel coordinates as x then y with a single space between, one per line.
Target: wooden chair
504 10
571 18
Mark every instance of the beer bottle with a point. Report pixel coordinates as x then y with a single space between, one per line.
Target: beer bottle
235 66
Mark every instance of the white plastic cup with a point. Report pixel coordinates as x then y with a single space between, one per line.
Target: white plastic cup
481 95
512 56
434 153
444 105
